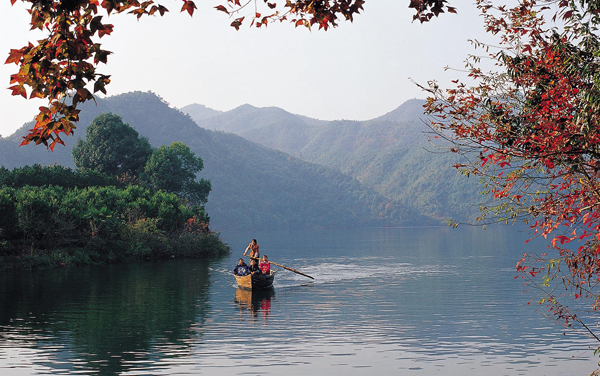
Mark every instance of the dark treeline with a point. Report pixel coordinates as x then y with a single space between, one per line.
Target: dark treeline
66 222
39 176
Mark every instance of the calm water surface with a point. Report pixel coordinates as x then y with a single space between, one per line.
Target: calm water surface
384 302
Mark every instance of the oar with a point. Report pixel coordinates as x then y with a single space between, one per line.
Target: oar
292 270
285 267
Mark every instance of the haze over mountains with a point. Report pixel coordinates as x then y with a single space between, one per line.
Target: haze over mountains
253 186
390 154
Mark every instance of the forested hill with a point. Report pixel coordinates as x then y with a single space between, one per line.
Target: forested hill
390 154
252 186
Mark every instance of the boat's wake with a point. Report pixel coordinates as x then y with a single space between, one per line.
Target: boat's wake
328 272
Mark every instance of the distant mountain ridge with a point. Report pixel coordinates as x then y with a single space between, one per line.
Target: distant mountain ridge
253 186
390 154
199 111
412 109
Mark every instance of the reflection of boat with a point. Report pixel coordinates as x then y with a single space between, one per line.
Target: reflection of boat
255 301
255 282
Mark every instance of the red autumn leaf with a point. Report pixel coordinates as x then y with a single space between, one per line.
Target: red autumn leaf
18 90
14 56
188 6
106 30
162 10
36 94
222 9
237 23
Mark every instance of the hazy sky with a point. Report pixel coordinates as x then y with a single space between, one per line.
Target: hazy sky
359 70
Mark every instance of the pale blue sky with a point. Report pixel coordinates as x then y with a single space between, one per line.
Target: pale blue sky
357 71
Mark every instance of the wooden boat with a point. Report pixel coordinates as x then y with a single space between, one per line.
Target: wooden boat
255 282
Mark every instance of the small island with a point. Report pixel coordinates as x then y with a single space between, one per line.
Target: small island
125 201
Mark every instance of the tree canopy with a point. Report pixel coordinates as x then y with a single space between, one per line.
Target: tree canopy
115 148
62 67
173 169
112 147
530 128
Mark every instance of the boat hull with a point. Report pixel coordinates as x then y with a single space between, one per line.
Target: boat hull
255 282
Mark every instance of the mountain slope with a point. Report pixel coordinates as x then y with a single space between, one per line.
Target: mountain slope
390 154
253 186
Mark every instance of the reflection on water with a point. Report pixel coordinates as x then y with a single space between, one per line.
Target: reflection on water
384 301
105 320
256 302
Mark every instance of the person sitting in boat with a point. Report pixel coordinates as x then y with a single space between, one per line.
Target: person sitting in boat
241 268
254 269
265 265
253 248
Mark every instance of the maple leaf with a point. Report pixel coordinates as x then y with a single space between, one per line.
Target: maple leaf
222 9
14 56
106 30
188 6
18 90
237 23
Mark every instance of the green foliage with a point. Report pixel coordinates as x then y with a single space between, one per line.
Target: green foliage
144 238
112 147
7 219
39 176
173 169
197 240
96 224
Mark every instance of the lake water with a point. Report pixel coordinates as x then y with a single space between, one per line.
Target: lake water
417 301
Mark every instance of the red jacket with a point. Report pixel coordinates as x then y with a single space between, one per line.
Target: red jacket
265 267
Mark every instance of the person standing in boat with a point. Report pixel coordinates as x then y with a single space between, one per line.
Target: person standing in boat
265 265
253 248
254 269
241 269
